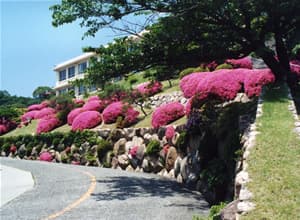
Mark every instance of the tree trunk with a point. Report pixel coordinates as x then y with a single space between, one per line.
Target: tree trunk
268 57
282 52
170 83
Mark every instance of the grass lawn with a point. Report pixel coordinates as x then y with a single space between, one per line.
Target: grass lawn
31 128
274 163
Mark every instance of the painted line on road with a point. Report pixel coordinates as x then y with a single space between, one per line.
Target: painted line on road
78 201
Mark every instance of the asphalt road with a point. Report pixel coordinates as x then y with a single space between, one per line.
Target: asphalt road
77 192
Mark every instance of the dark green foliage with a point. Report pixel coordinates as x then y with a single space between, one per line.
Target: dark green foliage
133 81
43 92
104 146
181 143
112 89
215 210
224 66
5 147
201 69
215 174
153 148
56 142
15 101
10 113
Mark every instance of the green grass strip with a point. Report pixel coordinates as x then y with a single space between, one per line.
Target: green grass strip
274 162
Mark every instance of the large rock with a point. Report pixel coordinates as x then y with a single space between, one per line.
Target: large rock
171 158
117 134
114 163
140 152
147 138
123 161
177 165
155 164
137 141
229 212
104 133
57 157
129 133
146 165
22 151
119 146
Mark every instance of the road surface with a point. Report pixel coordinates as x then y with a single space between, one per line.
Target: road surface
63 191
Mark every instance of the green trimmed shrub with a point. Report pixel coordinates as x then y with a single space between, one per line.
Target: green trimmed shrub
153 148
224 66
201 69
181 142
103 147
185 72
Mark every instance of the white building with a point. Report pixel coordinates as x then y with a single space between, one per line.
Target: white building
71 70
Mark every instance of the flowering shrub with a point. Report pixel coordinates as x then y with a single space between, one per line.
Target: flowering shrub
116 109
149 88
79 102
93 98
240 63
36 107
170 132
85 120
256 79
3 129
225 84
29 116
133 151
44 113
13 149
73 114
188 84
47 124
295 68
46 156
167 113
188 107
94 105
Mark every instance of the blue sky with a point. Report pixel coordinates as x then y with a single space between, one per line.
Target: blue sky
31 46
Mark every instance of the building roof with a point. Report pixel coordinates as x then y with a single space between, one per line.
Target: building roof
74 60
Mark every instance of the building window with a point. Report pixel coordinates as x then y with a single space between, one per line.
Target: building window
62 75
71 71
81 89
93 88
82 67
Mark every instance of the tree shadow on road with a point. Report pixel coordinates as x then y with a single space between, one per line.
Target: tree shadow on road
124 187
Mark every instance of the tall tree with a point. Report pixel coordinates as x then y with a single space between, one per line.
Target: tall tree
243 26
43 92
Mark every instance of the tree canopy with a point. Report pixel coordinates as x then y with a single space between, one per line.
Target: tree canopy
192 31
43 92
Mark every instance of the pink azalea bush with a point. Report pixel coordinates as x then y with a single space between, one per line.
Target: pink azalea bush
170 132
149 88
29 116
73 114
79 102
133 151
256 79
86 120
167 113
3 129
225 83
47 124
116 109
45 112
295 68
94 105
37 106
46 156
93 98
188 107
241 63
